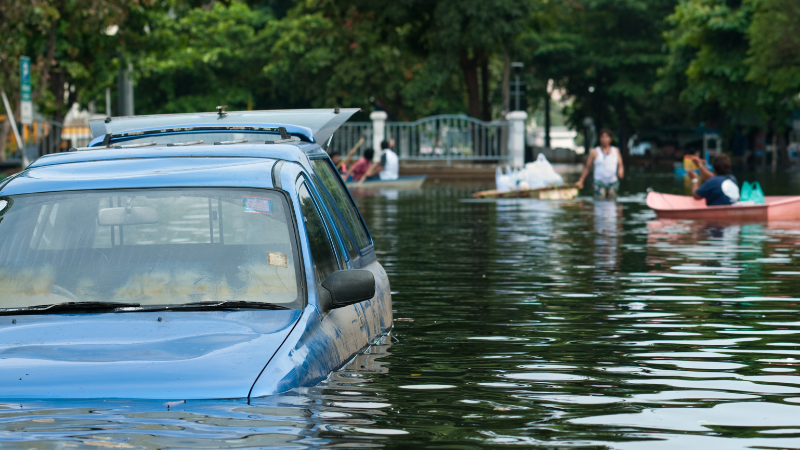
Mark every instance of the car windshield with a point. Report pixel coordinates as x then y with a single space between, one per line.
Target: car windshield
148 247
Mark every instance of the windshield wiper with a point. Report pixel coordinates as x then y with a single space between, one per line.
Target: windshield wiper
212 306
67 307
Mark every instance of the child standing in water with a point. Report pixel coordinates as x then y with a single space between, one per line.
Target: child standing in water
608 168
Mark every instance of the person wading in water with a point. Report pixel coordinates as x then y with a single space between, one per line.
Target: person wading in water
608 168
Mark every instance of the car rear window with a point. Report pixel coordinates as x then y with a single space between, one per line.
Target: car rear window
333 183
148 246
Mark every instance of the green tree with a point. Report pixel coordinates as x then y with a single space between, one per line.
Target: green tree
706 66
606 55
774 46
733 62
195 58
69 45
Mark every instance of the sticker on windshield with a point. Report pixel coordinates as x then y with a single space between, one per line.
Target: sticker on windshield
277 259
258 205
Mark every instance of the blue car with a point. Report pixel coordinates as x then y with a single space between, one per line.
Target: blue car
187 256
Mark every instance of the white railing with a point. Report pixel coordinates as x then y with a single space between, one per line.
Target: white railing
450 137
445 137
348 136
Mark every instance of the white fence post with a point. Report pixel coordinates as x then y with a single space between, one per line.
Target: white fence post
378 131
516 137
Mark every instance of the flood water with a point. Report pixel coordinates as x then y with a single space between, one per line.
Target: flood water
524 323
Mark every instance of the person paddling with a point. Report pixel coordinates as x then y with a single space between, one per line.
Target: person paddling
360 169
389 166
719 187
608 168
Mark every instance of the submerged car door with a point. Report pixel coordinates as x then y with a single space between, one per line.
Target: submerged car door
349 225
349 322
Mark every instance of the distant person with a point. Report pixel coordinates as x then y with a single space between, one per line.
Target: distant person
719 187
608 168
389 166
336 158
360 169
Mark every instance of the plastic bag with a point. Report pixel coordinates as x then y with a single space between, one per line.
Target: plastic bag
502 180
751 192
540 173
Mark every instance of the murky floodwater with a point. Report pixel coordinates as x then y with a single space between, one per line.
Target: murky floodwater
523 322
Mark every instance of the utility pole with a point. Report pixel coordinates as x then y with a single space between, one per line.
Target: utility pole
108 102
518 85
547 115
125 91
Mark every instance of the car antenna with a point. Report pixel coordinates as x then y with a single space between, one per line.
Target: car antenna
221 111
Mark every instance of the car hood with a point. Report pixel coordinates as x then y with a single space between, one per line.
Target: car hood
169 355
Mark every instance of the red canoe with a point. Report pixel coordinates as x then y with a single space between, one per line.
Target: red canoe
684 207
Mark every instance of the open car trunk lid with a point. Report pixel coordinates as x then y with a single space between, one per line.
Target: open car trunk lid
322 122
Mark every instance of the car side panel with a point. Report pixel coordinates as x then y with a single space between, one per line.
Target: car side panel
324 341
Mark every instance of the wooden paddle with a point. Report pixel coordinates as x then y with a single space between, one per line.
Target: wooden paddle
374 165
346 160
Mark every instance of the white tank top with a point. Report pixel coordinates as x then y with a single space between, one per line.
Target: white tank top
391 171
605 166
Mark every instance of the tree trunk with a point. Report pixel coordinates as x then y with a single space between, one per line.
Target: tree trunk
506 83
5 131
783 149
547 118
49 61
624 130
470 68
486 106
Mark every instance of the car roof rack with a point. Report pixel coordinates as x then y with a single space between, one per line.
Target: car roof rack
286 137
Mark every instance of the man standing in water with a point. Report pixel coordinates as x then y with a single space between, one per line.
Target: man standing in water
608 168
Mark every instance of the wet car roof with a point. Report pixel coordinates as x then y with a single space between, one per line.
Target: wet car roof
151 167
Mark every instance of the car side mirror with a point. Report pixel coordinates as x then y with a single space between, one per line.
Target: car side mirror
345 287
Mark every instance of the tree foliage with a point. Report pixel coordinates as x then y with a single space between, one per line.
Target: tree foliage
774 46
628 64
606 55
69 45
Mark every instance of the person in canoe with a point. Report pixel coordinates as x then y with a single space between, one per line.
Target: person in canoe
336 158
359 170
389 166
720 186
608 168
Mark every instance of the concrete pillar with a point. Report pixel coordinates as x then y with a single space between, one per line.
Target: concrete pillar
378 131
516 137
125 91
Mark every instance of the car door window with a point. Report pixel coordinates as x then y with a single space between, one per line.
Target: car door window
322 253
334 185
352 251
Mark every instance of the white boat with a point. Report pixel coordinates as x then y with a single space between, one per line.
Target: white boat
410 182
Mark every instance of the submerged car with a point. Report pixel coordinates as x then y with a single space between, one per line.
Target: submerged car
186 256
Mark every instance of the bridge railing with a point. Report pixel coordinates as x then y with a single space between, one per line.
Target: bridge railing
449 138
446 137
348 136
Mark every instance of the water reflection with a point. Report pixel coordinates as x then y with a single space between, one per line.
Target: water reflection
523 322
